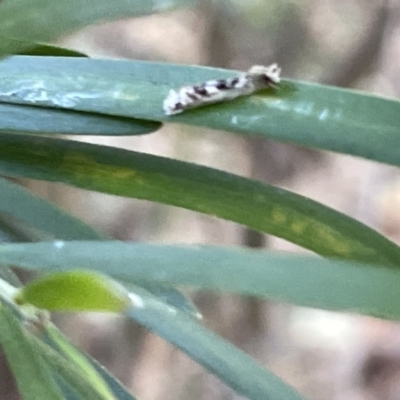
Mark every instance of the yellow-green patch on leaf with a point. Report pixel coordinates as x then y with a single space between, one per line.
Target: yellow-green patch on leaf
75 290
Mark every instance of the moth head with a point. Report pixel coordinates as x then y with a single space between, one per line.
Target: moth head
270 74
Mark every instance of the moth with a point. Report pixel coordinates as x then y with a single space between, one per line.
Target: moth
256 78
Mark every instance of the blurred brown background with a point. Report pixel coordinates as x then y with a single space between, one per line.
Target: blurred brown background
348 43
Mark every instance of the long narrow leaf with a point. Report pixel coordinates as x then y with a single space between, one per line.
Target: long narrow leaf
306 281
307 114
54 51
83 384
33 376
43 215
27 119
93 371
27 48
47 20
259 206
230 364
14 230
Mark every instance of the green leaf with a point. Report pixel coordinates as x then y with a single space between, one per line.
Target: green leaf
90 368
9 276
75 291
34 378
312 115
303 280
47 20
12 229
53 51
27 119
230 364
259 206
71 374
43 215
36 49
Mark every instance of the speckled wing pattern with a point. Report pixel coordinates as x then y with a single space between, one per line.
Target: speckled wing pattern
256 78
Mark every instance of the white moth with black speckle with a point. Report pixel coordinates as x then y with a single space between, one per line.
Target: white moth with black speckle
256 78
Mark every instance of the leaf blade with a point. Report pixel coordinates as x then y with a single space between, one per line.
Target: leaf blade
34 20
125 173
34 379
27 119
302 280
307 114
43 215
73 376
90 368
240 371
